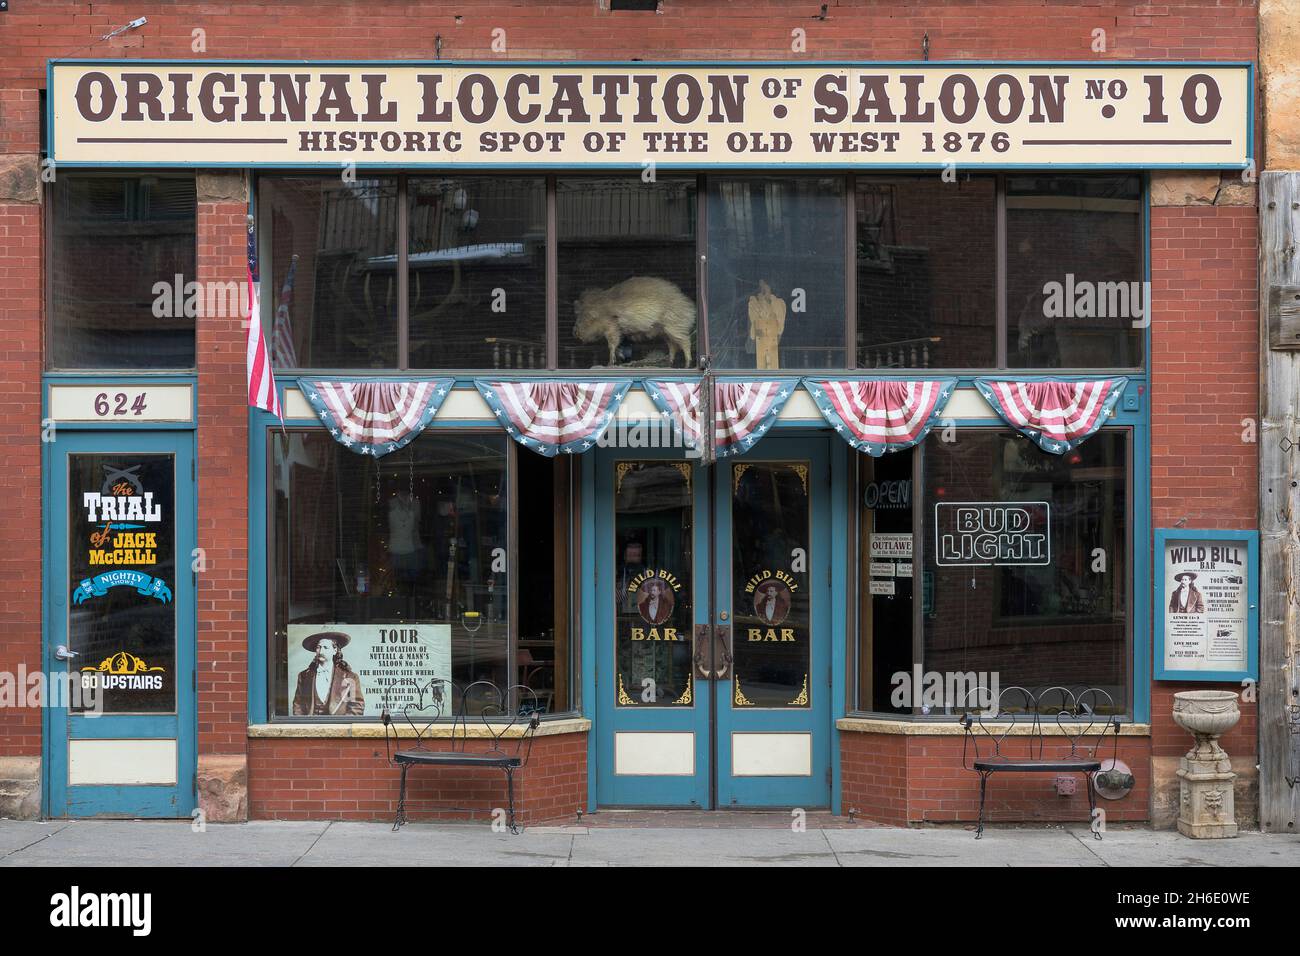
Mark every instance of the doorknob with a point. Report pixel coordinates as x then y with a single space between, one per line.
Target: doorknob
63 654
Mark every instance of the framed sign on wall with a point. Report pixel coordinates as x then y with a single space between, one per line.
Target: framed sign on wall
1206 605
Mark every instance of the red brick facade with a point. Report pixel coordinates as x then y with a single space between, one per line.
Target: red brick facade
350 779
1203 362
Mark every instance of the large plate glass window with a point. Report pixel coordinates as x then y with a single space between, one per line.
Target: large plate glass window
477 272
401 568
926 270
329 281
397 561
776 272
123 291
1075 297
626 283
1027 561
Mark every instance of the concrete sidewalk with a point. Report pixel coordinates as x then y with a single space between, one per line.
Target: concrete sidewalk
268 843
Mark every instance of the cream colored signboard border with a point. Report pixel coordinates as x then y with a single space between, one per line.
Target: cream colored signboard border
500 114
136 404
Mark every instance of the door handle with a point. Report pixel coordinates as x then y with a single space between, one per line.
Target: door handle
63 654
702 638
712 653
722 652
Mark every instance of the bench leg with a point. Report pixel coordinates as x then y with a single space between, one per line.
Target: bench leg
979 830
510 796
401 801
1092 806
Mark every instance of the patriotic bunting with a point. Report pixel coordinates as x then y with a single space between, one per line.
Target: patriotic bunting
1058 415
876 416
557 417
742 411
375 418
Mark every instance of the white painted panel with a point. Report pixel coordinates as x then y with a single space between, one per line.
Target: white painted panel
771 755
121 762
968 403
658 754
296 406
119 403
801 405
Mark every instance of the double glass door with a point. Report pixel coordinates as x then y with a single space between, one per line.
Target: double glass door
712 603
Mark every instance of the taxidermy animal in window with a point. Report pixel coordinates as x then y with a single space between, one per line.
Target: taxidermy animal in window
639 308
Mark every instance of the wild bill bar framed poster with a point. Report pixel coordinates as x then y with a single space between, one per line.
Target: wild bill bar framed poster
1206 604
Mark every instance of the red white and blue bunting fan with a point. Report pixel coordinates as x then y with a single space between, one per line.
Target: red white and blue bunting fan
556 417
742 411
375 418
679 403
880 415
1058 415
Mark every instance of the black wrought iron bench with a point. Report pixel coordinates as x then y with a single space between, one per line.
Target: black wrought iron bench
511 715
992 744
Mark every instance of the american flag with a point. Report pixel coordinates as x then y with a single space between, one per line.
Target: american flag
261 380
282 331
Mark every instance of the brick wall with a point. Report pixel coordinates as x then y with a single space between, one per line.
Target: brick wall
572 29
350 779
1204 397
903 780
222 467
20 396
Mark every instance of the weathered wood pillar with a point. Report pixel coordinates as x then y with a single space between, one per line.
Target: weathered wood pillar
1279 472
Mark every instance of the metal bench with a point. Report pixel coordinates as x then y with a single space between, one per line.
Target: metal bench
992 744
513 714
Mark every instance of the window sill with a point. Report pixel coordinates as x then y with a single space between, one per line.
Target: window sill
951 728
374 730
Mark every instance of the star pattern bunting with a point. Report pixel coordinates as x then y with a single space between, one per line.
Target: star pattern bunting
1058 415
876 416
742 411
375 418
557 417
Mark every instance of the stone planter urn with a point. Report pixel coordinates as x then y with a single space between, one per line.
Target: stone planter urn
1205 805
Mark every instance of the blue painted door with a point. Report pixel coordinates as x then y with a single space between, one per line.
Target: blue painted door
119 625
773 587
713 628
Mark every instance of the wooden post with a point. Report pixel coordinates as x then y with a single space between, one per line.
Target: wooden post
1279 521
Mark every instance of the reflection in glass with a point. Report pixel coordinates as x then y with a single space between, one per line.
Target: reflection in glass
122 518
1033 624
652 584
926 272
776 272
626 272
112 239
331 275
477 273
1074 290
772 637
885 578
414 538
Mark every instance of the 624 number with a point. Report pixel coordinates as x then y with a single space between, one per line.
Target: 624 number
118 404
